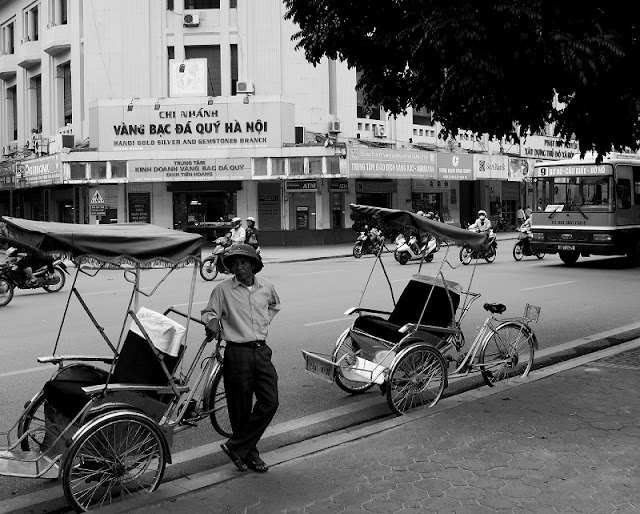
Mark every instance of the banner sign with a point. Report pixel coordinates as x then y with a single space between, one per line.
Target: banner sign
301 185
165 170
547 147
488 167
43 171
455 166
139 126
140 207
386 163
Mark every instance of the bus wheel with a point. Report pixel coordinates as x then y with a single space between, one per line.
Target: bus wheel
569 258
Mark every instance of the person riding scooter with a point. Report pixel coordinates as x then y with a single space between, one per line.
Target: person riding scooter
27 263
483 226
237 234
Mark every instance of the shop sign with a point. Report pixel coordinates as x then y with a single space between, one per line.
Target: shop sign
375 186
455 166
338 185
386 163
429 186
43 171
117 126
185 170
490 167
519 169
548 147
301 185
140 207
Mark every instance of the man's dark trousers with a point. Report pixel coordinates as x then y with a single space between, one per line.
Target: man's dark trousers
249 371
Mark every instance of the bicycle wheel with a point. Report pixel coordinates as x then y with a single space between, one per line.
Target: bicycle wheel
417 379
208 269
218 402
346 346
6 292
507 352
33 419
115 456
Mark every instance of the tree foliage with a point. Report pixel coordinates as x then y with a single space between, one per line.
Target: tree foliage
490 66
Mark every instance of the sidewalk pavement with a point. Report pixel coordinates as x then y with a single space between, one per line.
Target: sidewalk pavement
565 439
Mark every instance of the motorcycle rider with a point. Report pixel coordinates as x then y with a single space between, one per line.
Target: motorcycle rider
251 233
237 233
525 228
26 263
482 224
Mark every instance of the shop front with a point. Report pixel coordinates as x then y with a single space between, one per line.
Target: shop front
457 169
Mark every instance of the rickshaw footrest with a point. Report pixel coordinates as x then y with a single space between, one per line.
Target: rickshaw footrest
26 464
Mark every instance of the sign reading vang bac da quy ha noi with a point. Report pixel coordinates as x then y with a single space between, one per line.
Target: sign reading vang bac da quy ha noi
190 126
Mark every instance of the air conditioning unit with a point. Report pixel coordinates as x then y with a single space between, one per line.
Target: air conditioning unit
5 151
37 146
334 126
191 20
379 131
245 88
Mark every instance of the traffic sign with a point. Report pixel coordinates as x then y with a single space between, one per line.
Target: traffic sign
97 198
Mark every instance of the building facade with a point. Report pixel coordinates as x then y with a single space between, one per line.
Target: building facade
185 113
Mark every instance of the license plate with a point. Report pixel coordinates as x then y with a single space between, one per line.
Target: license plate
567 247
319 367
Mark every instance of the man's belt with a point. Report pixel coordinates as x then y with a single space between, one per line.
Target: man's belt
248 344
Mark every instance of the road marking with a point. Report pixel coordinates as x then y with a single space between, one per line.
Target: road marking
325 321
24 371
313 272
549 285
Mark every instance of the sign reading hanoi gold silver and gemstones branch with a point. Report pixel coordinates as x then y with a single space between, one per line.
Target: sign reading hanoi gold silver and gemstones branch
139 126
188 169
385 163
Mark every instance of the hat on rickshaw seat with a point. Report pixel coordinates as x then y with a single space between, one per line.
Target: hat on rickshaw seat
243 250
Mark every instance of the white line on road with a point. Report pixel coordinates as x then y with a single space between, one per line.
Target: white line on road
325 321
24 371
549 285
314 272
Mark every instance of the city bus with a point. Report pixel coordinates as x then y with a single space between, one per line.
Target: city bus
582 208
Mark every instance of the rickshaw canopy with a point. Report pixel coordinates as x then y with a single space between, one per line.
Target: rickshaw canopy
134 243
399 217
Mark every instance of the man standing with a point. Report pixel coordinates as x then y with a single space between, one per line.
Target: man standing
520 216
242 307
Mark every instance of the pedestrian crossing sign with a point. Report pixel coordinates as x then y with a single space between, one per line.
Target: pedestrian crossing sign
97 198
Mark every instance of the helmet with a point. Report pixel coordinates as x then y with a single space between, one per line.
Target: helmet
235 221
482 213
243 250
420 213
251 218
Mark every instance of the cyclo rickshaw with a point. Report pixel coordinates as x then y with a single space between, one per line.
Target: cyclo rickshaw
105 424
408 351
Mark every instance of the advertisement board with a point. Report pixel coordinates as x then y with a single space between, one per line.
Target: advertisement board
387 163
170 170
455 166
42 171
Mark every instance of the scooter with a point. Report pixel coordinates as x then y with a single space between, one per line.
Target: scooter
364 245
213 265
523 245
50 277
487 251
410 250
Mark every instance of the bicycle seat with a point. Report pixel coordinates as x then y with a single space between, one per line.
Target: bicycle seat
495 308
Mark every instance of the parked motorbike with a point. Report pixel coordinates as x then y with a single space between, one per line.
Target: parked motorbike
409 250
364 243
502 224
213 264
523 245
50 277
487 251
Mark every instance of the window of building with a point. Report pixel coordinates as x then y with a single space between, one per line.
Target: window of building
58 12
363 110
422 116
277 166
234 69
212 54
64 78
315 165
31 22
35 99
233 4
170 5
296 166
98 170
8 42
118 169
260 166
202 4
77 171
333 165
12 112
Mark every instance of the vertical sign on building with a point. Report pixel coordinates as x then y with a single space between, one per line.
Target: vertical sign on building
140 207
269 206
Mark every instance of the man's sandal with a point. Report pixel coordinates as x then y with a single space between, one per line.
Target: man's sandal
256 464
235 458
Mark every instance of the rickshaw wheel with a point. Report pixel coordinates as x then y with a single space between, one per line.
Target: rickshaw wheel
417 379
465 255
54 288
208 269
506 353
33 418
218 402
116 455
6 292
347 347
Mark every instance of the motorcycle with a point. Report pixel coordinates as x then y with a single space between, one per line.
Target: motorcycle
523 245
410 250
213 264
50 277
487 251
364 244
502 224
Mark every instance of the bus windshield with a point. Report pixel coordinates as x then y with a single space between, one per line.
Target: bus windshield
593 194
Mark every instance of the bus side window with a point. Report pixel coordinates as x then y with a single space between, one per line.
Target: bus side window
636 185
623 193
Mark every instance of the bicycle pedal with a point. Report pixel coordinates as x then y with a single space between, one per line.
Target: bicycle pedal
189 423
